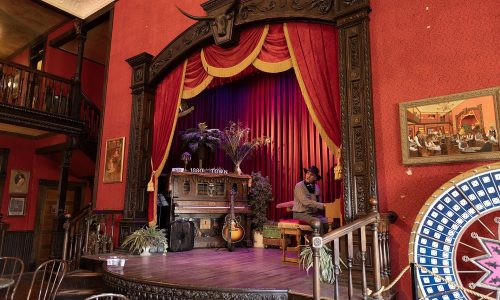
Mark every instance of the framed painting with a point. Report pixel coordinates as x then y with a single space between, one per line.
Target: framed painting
19 181
113 161
17 205
453 128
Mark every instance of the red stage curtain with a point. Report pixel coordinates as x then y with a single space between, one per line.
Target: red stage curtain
271 105
167 101
197 79
314 48
227 62
274 56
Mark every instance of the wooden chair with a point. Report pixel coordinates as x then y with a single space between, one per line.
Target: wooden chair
292 229
11 268
47 279
107 296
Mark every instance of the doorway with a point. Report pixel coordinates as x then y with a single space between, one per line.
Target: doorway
48 196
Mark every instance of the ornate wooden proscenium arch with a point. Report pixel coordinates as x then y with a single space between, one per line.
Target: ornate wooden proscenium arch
349 16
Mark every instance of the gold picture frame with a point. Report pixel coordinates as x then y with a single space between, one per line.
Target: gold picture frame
452 128
113 161
19 181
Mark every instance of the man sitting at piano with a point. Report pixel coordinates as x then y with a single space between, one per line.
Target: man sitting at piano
306 196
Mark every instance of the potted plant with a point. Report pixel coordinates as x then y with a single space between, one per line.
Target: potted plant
201 139
144 238
259 197
235 141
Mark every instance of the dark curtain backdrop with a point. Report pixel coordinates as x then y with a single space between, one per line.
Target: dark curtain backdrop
271 105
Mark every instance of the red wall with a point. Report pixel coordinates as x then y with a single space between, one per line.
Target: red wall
451 47
417 53
137 28
22 157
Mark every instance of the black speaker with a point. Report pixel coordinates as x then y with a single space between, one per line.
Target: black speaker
181 235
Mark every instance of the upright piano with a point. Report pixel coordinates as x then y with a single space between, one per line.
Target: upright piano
204 198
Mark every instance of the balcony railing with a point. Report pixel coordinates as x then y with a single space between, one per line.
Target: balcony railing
35 90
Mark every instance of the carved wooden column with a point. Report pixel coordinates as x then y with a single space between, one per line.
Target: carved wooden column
76 91
358 147
139 154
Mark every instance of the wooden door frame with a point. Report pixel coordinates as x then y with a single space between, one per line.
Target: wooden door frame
42 184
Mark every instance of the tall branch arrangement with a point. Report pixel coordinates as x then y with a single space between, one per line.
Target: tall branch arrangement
235 141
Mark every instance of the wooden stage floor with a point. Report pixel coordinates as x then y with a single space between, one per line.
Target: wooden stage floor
248 269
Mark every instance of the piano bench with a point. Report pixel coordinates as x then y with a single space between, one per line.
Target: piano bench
292 228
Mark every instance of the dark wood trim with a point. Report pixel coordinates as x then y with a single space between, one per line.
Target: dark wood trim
139 148
53 8
51 149
349 16
21 116
20 244
137 289
87 24
247 13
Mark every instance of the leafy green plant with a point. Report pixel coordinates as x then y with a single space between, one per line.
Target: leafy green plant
327 272
147 236
259 197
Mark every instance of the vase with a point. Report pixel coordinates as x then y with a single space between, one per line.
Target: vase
258 239
237 169
145 251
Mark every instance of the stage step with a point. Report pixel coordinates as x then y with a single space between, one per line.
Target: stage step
80 284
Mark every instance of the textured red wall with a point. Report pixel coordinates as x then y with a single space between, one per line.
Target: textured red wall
137 28
423 49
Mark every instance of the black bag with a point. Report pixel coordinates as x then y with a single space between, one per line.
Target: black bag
181 235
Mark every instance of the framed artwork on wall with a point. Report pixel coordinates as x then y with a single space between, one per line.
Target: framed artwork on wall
17 205
19 181
113 161
453 128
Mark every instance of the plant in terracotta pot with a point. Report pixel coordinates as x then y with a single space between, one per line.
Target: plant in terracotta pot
260 195
144 238
236 142
200 140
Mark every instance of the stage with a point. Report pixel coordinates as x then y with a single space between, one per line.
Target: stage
245 273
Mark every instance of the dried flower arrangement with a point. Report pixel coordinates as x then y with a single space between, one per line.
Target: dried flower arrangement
235 141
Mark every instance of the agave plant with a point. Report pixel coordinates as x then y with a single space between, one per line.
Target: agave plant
327 272
145 237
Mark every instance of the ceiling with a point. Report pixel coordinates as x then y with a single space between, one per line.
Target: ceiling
24 21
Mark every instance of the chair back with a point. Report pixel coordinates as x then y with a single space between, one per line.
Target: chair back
47 279
107 296
11 268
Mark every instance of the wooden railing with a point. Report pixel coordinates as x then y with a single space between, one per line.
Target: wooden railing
87 233
343 245
32 89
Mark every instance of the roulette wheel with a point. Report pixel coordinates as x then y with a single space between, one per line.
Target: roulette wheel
456 238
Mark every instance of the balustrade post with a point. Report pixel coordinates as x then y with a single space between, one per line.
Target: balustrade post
316 245
3 229
76 91
66 236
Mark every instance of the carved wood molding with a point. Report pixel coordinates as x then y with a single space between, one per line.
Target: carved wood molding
21 116
139 153
250 12
135 290
358 145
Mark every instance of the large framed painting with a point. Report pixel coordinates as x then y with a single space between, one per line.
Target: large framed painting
113 161
453 128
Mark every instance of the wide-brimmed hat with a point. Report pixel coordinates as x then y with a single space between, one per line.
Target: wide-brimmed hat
314 170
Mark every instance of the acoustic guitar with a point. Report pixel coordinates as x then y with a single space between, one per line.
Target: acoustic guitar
232 232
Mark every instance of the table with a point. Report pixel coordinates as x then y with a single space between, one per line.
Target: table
6 282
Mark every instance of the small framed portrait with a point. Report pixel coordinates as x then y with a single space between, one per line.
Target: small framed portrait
113 161
19 182
17 205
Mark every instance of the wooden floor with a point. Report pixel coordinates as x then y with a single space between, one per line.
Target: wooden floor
244 268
